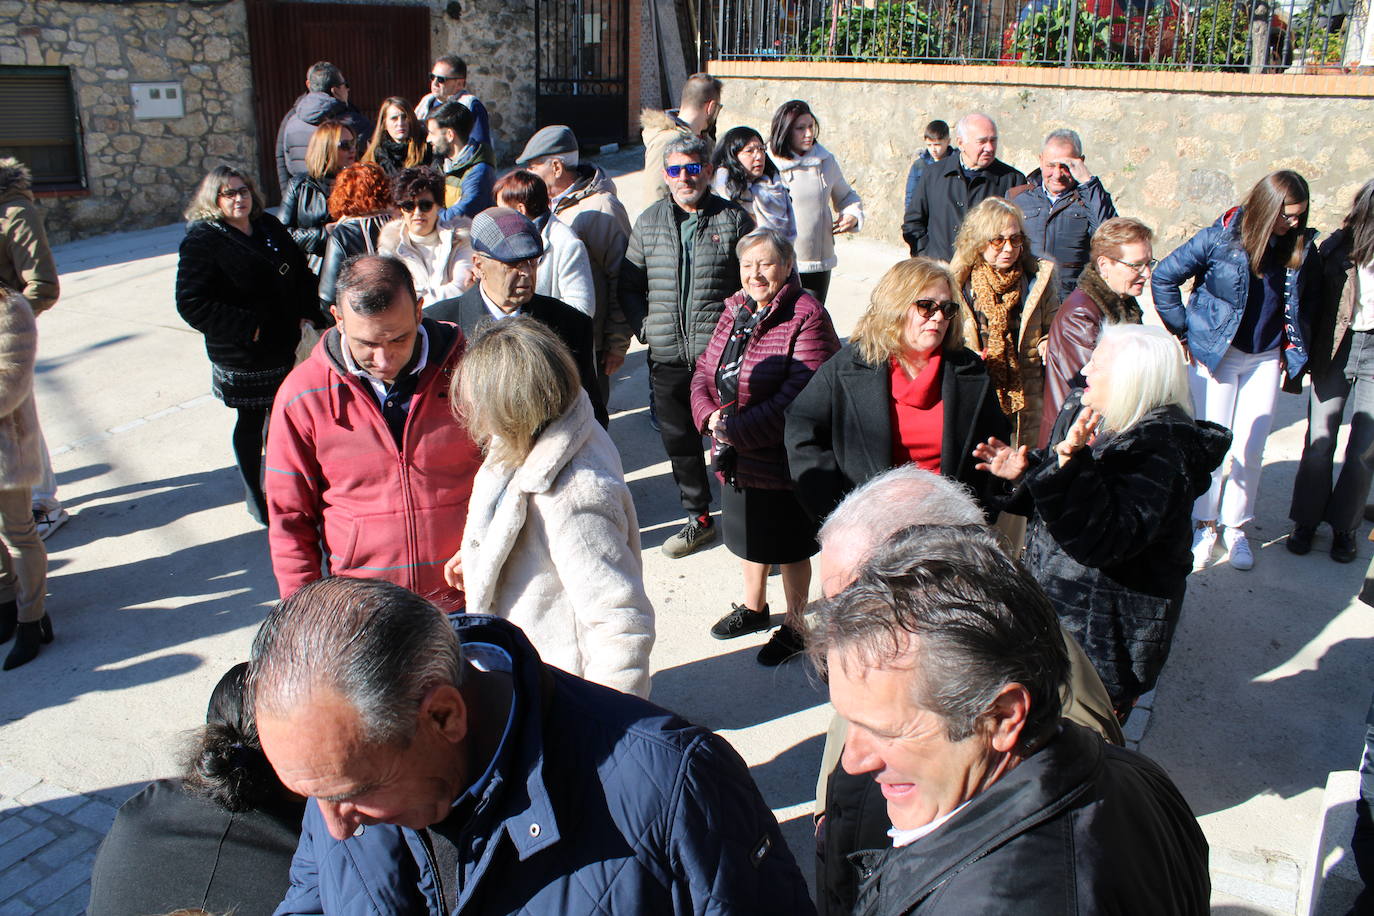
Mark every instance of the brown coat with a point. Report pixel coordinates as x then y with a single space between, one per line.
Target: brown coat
26 263
20 461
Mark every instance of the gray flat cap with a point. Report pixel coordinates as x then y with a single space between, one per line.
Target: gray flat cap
556 138
505 235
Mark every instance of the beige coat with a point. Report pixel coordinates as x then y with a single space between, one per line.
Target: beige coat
658 129
596 214
449 276
21 464
26 263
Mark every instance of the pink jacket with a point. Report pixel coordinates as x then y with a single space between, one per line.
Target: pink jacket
341 496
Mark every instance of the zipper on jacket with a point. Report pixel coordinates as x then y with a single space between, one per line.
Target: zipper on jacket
428 843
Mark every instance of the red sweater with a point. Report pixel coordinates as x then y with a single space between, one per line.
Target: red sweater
918 416
336 479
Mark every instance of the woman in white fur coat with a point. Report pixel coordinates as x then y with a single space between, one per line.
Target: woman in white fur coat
552 539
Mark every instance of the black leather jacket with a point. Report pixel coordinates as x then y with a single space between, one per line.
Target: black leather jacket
351 235
305 211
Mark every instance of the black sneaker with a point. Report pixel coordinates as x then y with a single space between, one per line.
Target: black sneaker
697 533
1343 546
1300 541
785 644
741 621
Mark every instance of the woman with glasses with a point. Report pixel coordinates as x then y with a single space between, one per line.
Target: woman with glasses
816 184
305 205
243 283
398 141
1120 261
361 205
439 259
745 174
903 390
1257 284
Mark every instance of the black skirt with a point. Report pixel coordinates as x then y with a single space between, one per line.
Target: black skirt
766 526
246 387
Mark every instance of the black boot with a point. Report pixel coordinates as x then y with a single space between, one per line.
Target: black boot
9 618
27 637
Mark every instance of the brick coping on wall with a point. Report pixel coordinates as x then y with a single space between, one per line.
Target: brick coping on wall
1332 85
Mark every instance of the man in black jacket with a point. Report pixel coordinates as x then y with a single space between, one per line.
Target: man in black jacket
325 99
507 248
955 185
946 660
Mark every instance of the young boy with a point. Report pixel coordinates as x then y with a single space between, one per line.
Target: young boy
937 148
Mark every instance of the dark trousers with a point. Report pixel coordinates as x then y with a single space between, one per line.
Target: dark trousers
248 435
672 389
1362 843
817 284
1349 378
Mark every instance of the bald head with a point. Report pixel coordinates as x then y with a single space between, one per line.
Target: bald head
976 136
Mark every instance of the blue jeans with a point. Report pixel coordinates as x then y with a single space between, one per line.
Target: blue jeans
1315 500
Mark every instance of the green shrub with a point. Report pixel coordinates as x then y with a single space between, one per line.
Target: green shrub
889 31
1043 38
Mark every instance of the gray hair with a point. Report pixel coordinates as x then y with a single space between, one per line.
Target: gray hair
961 125
379 646
947 604
1064 135
781 246
898 498
323 76
687 145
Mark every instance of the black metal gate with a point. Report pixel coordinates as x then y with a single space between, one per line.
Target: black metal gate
582 67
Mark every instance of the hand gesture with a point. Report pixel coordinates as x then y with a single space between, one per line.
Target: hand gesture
453 570
611 362
1000 459
844 223
715 424
1079 434
1077 168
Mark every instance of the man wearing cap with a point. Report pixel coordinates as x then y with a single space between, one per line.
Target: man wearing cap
506 249
584 197
368 475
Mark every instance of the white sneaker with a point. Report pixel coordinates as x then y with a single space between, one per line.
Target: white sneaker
1204 542
1238 549
48 520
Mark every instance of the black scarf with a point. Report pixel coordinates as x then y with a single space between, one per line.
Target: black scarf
747 319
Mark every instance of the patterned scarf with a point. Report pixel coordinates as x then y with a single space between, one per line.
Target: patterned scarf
996 295
747 320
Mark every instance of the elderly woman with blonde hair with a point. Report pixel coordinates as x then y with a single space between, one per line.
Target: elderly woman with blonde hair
1111 504
552 538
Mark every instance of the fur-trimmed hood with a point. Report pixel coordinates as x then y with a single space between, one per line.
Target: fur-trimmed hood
1116 308
656 120
15 176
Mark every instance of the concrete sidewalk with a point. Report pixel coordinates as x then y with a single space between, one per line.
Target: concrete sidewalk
160 580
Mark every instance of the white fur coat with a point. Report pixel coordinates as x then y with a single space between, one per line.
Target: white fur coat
553 546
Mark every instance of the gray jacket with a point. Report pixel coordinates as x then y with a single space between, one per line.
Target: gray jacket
650 281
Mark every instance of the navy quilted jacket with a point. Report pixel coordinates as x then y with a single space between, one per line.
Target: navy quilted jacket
606 804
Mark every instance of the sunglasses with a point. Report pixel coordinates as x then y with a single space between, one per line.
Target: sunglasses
928 307
424 206
235 193
436 78
345 144
1014 241
691 168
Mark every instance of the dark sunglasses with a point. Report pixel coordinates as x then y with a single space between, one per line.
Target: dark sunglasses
424 206
692 168
345 144
434 77
927 307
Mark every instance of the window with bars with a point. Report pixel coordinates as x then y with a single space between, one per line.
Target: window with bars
39 125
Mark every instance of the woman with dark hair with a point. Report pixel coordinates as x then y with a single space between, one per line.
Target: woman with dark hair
243 283
220 838
439 258
816 184
565 270
398 142
1247 327
745 174
305 204
361 205
1342 363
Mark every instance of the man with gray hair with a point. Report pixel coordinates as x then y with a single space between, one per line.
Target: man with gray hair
950 188
851 809
945 658
325 99
1064 204
450 770
678 270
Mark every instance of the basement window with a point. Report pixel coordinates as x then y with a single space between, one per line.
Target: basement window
39 126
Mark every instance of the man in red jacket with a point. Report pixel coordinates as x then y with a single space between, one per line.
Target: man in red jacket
368 472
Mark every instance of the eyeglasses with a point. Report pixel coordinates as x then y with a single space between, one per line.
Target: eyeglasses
1004 241
691 168
424 206
436 78
928 307
235 193
1140 267
751 148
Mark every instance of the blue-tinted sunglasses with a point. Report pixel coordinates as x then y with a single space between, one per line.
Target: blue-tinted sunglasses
692 168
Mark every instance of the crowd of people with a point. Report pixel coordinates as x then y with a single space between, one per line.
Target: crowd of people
1007 476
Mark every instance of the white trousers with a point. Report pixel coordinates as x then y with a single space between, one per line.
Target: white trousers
1239 395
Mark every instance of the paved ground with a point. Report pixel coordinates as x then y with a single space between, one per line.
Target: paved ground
160 579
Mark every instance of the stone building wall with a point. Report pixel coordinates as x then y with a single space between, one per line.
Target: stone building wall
496 39
1175 156
140 172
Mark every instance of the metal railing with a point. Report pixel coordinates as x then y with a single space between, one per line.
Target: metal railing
1211 35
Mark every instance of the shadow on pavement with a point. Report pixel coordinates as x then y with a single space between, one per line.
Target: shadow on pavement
85 472
733 691
140 506
794 772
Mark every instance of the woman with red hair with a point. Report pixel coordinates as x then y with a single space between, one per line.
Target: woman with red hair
361 205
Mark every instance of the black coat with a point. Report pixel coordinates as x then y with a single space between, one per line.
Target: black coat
305 211
469 312
247 298
1111 533
168 850
1078 827
839 429
944 197
350 236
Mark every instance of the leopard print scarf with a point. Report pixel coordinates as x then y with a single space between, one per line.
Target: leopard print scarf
996 294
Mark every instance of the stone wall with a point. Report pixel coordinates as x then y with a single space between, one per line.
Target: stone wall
1175 157
140 172
496 40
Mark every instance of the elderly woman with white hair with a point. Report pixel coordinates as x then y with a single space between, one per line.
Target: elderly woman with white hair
1111 504
552 538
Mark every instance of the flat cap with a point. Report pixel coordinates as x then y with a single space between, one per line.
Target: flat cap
556 138
505 235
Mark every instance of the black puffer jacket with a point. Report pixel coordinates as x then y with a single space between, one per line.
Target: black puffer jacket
1110 537
649 277
247 296
305 211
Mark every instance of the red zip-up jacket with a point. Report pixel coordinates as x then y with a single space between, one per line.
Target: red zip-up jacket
342 499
